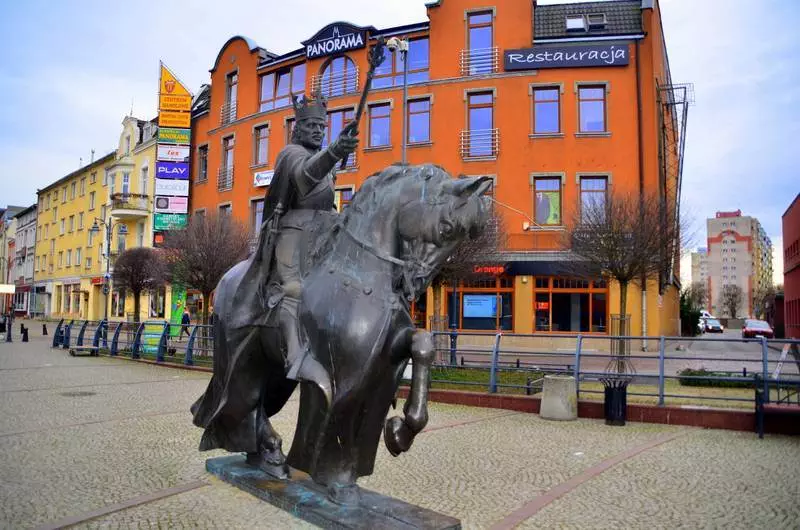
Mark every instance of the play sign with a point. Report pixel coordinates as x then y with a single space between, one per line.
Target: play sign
172 170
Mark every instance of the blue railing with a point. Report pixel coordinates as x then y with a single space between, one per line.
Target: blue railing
726 361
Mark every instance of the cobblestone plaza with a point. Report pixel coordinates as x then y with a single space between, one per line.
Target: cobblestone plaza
109 443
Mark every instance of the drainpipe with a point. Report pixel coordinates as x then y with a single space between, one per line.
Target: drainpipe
641 181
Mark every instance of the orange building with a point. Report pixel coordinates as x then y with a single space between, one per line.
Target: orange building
558 103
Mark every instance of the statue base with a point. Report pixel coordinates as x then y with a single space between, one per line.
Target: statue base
307 500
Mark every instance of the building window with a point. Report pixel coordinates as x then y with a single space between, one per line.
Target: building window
126 183
77 257
225 180
158 302
88 262
128 144
60 258
546 115
121 243
419 121
480 58
71 223
260 145
336 122
483 304
379 124
202 163
91 200
47 199
69 257
63 226
593 196
480 125
256 216
83 186
342 198
93 177
570 305
547 201
339 77
289 130
143 181
277 88
390 73
118 303
592 109
64 194
225 210
90 240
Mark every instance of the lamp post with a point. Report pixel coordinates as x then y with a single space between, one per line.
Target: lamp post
401 45
121 230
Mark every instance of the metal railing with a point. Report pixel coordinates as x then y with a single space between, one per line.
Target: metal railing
227 113
480 143
479 61
517 363
332 85
225 178
129 201
154 339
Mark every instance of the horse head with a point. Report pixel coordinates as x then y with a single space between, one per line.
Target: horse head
419 214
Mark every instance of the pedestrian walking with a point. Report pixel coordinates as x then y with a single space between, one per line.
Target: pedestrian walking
185 321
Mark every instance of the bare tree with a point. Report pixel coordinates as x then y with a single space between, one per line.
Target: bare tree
469 260
760 297
730 299
139 270
631 239
697 295
199 255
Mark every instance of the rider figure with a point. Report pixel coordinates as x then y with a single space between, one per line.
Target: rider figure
302 184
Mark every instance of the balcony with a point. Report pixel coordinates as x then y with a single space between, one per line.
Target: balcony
479 61
129 205
480 144
336 84
225 178
227 113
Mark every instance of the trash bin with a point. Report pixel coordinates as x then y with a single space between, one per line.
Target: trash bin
559 398
616 401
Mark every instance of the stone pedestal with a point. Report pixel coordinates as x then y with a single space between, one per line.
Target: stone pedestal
301 497
559 398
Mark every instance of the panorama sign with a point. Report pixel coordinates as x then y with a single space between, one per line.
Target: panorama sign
335 38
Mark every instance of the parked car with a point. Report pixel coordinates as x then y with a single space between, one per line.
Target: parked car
713 325
756 328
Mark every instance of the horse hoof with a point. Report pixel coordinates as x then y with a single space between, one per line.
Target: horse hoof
347 495
259 461
397 436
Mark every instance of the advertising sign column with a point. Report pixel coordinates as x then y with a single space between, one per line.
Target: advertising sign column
171 199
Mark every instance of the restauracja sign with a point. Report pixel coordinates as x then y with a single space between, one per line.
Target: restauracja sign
566 56
335 38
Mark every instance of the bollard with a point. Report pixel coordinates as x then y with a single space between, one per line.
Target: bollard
24 334
8 333
44 329
21 328
529 387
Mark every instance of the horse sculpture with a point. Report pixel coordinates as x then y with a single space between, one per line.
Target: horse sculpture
363 268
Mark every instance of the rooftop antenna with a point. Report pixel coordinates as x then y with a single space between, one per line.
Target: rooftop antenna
80 162
92 160
131 114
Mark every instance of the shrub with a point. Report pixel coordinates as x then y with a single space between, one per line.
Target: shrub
702 377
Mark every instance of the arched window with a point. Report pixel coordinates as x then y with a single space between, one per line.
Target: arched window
339 77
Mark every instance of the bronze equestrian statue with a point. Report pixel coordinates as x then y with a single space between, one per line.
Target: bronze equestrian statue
324 301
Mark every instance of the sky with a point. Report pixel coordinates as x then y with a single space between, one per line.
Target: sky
73 70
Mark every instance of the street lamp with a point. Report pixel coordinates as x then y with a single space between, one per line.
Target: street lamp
395 44
121 230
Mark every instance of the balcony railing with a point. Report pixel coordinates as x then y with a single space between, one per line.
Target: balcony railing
129 201
480 143
338 84
479 61
225 178
227 113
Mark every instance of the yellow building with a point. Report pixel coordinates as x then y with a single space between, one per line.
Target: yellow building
68 255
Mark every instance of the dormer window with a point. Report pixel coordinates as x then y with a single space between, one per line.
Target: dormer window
597 20
576 23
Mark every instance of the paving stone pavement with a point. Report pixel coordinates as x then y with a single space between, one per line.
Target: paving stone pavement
83 434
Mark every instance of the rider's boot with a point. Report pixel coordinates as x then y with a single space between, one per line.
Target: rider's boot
300 366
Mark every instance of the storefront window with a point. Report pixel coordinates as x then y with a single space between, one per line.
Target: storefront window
570 305
485 304
158 302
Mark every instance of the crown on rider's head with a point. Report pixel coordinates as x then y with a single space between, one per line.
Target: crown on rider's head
316 107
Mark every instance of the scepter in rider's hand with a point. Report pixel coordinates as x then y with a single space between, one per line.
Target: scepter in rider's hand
375 58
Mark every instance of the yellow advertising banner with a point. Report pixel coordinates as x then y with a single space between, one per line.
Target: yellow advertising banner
169 118
170 102
169 84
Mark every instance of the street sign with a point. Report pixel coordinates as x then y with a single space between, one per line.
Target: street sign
169 221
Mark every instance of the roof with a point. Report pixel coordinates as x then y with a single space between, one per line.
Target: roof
78 171
623 17
26 210
791 205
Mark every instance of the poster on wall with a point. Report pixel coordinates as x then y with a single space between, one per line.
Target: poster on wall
176 310
172 187
171 204
480 306
548 207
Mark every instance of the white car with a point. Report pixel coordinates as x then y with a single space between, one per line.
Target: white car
706 314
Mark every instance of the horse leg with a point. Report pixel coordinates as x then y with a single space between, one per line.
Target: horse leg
269 457
399 432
